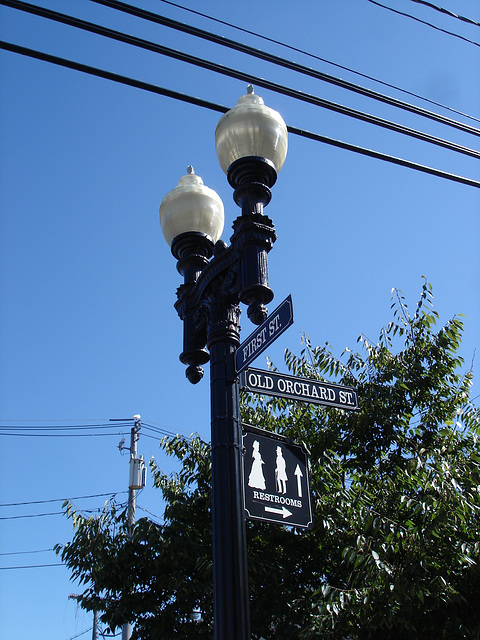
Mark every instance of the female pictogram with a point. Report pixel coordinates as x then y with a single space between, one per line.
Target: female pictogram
256 478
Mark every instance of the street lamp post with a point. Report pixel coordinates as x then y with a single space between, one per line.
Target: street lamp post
251 144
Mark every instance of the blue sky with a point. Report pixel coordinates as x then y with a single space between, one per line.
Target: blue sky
87 284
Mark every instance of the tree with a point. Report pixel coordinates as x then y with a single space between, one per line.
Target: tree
394 550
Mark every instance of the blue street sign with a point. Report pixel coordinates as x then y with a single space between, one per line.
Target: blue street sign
266 333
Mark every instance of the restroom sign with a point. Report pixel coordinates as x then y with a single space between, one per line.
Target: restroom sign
275 476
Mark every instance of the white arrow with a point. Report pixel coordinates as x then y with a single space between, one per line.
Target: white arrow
299 474
282 512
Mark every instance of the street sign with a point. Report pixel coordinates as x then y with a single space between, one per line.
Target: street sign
301 389
275 476
265 334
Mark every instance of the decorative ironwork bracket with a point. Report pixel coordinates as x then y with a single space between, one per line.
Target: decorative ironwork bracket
208 301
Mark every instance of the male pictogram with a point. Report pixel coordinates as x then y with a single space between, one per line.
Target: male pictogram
281 472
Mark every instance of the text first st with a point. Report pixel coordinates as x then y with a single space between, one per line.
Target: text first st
267 333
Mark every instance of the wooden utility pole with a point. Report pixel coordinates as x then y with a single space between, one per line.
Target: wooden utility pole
127 628
95 625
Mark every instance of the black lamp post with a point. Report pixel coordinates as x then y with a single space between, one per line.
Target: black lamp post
251 144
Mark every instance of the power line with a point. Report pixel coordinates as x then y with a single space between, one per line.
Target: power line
82 633
108 75
158 518
277 60
447 12
53 513
62 430
75 435
96 495
33 515
387 158
161 427
34 566
147 435
70 64
429 24
315 57
161 430
76 421
67 427
42 515
248 78
22 553
38 430
60 435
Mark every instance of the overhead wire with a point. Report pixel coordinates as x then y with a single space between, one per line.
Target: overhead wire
82 633
139 84
447 12
60 421
34 566
53 513
64 430
159 519
66 427
320 59
160 430
32 515
239 75
429 24
95 495
71 431
282 62
60 435
149 435
24 553
371 153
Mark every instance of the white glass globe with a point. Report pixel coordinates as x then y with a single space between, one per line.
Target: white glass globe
251 129
191 206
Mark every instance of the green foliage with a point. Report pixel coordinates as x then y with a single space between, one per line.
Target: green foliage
157 578
396 495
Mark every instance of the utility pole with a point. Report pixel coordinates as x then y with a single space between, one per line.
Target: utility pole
95 625
135 482
131 485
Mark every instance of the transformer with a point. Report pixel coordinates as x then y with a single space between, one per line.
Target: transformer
138 473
